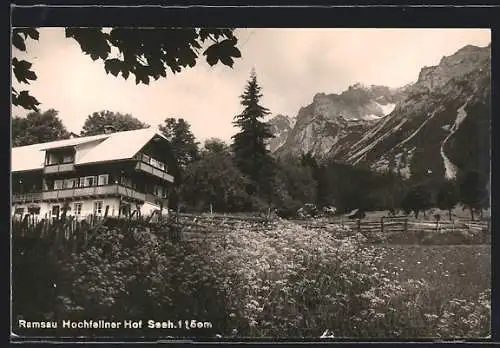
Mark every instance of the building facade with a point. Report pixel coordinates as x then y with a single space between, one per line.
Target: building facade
104 175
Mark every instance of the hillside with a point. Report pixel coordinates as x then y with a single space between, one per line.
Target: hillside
438 125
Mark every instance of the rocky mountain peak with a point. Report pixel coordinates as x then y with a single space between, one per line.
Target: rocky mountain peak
436 125
280 125
457 65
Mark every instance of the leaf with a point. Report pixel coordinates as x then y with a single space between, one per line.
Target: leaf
22 72
18 42
212 54
227 47
25 100
30 75
114 66
227 61
235 52
33 33
92 41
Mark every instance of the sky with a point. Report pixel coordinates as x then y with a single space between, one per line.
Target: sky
292 65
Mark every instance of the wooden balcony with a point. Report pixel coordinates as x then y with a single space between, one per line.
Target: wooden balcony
27 197
147 168
156 200
59 168
80 192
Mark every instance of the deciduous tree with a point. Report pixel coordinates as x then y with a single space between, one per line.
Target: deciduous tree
448 196
215 145
473 193
418 199
98 122
215 180
185 151
183 142
146 53
37 127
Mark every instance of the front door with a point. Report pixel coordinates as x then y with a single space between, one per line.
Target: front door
55 212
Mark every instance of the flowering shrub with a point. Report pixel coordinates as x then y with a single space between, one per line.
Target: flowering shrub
278 281
137 274
291 281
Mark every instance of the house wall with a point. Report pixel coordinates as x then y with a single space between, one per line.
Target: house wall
148 208
87 207
82 149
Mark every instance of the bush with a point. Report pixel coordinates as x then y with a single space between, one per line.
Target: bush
278 281
137 274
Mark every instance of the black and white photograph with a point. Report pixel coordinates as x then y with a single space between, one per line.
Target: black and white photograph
251 183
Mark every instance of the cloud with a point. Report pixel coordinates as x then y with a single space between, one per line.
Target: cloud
292 66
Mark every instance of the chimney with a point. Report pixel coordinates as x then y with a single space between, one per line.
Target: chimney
108 129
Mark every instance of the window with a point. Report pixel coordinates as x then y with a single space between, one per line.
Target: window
103 179
51 159
125 209
68 159
78 208
55 210
34 210
70 183
98 208
58 184
146 158
19 211
80 182
158 190
89 181
157 164
126 181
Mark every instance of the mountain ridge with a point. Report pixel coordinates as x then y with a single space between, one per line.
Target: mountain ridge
421 132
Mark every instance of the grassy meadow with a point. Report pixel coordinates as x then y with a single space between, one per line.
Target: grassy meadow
279 280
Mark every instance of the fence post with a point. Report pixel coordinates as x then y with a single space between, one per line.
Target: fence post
359 225
382 224
406 225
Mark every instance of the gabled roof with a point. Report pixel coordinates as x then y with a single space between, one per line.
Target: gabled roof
100 148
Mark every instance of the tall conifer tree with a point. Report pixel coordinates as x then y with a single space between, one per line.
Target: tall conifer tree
250 143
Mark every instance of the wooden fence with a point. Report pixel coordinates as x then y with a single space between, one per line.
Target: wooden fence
400 224
191 227
200 227
184 226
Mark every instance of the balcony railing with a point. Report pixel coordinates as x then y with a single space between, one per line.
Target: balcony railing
154 171
27 197
80 192
155 199
59 168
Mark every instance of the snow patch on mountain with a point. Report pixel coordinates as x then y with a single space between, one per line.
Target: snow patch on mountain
450 168
387 108
372 117
358 156
412 135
